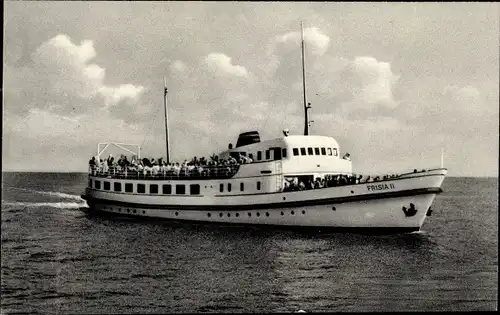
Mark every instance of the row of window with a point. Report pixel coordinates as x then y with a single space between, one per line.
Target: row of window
279 153
315 151
250 214
208 214
282 153
194 189
242 187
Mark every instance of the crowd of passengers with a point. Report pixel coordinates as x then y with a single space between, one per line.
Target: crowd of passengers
153 167
334 180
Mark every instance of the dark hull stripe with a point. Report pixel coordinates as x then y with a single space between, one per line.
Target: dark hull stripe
291 204
274 227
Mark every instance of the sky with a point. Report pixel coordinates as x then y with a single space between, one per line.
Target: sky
395 84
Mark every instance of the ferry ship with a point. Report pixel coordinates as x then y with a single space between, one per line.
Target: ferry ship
292 181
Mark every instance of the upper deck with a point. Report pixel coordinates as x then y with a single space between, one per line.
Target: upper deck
299 154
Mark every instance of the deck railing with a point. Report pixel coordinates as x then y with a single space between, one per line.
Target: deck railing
207 172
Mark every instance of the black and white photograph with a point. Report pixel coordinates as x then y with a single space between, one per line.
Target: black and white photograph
249 157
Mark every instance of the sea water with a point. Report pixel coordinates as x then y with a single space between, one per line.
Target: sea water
57 259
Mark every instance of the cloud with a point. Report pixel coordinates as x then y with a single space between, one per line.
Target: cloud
61 79
221 65
114 95
368 82
178 66
312 36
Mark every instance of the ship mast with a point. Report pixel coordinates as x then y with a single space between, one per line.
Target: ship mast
306 105
166 120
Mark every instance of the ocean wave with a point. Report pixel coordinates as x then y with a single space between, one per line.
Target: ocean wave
59 205
49 193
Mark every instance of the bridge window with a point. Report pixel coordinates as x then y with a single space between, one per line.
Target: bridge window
268 154
310 151
250 156
283 153
107 186
316 151
229 187
323 151
97 184
295 151
258 185
194 189
118 187
302 151
221 187
167 189
90 183
141 188
129 187
335 152
153 189
242 186
259 155
329 151
180 189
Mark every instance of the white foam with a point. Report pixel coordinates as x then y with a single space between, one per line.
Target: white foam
51 193
59 205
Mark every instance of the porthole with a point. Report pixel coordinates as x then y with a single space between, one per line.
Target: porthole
209 215
220 215
135 211
237 214
352 191
143 212
249 214
267 214
228 215
284 198
177 213
258 214
128 210
119 210
303 212
333 208
292 212
282 213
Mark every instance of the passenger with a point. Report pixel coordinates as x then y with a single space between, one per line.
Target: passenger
105 167
302 186
286 186
125 161
155 169
310 184
201 171
318 184
110 160
177 169
358 180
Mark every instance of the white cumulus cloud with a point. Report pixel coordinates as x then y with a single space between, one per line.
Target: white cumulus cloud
312 35
221 65
62 79
366 82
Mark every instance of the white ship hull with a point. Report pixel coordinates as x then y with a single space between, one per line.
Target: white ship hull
375 205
